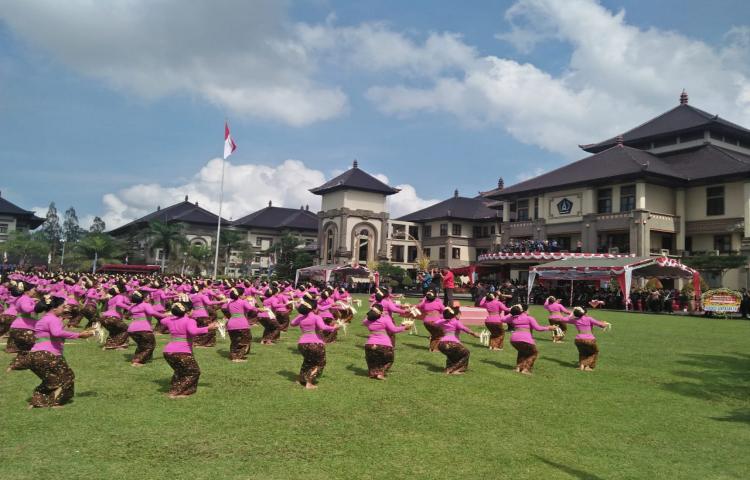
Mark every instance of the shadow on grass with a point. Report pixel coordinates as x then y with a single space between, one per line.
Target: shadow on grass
573 472
431 367
715 377
495 363
89 393
358 371
289 375
415 346
164 384
560 362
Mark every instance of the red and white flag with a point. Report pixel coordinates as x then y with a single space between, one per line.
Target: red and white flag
229 145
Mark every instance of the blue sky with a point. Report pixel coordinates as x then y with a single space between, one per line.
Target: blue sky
115 107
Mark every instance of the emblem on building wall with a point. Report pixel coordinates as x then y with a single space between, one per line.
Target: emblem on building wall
564 206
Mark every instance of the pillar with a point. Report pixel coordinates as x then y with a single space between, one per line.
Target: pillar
746 205
589 233
679 207
640 195
506 212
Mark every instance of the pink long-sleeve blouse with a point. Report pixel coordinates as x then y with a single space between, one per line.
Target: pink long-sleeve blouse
310 325
182 330
25 313
380 330
523 324
585 326
50 334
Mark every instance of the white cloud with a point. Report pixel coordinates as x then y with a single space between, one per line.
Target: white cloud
247 188
618 76
526 175
406 201
239 55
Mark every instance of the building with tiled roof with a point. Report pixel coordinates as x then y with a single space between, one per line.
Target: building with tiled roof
677 184
13 217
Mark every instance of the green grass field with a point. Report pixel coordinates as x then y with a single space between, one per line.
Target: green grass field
670 399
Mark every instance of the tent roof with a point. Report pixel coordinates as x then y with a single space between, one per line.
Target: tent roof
592 268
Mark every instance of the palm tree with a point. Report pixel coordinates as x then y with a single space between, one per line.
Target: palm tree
198 257
231 240
167 236
99 246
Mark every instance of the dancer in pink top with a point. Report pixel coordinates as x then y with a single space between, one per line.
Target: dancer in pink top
557 313
112 319
588 351
494 321
379 348
432 310
271 328
521 338
46 357
342 298
179 351
456 355
310 344
238 326
325 310
203 313
21 333
140 329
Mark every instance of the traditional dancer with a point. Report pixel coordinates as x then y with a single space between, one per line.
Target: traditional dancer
238 326
325 306
556 310
494 321
432 308
588 351
179 351
522 340
310 345
383 297
379 348
140 329
90 309
21 333
266 317
281 308
342 305
46 357
112 319
201 301
456 355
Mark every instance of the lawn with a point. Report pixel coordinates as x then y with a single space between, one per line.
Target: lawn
669 399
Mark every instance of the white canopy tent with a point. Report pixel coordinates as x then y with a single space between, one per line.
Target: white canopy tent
622 268
324 273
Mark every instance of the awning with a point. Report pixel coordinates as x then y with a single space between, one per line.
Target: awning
325 272
622 268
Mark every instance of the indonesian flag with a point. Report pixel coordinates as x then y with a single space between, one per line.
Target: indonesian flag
229 145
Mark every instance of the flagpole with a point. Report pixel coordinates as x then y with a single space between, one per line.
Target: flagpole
218 222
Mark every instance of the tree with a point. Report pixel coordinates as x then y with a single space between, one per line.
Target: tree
390 274
71 231
51 229
168 237
24 246
288 256
97 225
231 240
99 247
198 258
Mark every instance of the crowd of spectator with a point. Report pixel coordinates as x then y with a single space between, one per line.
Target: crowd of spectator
533 246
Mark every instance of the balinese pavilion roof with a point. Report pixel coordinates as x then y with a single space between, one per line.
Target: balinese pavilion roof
683 118
181 212
355 179
279 218
457 207
8 208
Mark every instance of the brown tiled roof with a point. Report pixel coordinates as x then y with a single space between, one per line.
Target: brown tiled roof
618 161
456 207
279 218
681 118
708 161
181 212
355 179
8 208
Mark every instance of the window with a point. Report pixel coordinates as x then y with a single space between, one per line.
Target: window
426 252
258 241
414 232
604 200
443 229
411 254
715 200
723 243
397 253
399 231
522 210
485 232
688 244
536 207
476 232
456 228
329 246
627 198
3 228
427 231
456 253
492 230
441 253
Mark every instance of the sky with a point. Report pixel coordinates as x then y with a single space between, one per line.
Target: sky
116 107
